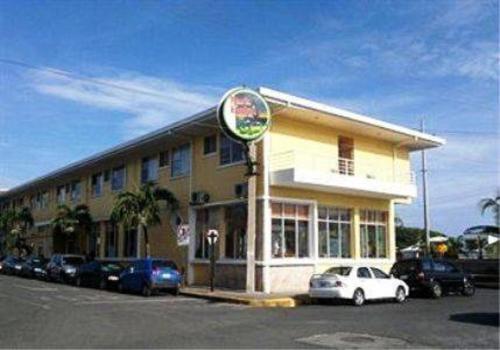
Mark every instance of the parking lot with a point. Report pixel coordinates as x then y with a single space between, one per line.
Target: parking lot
39 314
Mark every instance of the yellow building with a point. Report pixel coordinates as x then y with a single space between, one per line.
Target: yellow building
327 183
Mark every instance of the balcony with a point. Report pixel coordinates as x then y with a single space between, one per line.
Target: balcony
326 173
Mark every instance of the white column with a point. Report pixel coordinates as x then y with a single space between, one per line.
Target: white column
266 213
252 189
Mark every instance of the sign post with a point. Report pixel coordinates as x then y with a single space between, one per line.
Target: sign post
245 116
212 236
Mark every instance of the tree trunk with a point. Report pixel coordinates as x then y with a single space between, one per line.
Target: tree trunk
146 240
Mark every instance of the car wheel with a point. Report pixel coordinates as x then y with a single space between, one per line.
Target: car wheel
78 281
468 289
175 291
103 284
358 298
61 278
146 291
120 288
400 295
436 290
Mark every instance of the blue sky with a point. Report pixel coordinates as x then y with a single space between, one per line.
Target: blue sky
395 60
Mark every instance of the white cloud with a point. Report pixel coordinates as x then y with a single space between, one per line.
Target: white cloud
460 173
151 102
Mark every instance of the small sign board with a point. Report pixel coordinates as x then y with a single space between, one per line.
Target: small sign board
212 236
183 234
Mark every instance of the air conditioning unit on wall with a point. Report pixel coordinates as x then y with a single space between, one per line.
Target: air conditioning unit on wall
241 190
199 197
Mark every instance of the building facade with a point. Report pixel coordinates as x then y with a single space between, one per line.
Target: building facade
327 184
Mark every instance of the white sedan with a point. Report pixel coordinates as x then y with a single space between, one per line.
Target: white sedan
357 283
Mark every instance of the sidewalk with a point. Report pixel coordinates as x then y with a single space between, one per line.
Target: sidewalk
251 299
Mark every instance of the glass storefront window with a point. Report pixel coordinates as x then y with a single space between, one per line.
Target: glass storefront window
334 232
205 220
290 230
236 231
373 234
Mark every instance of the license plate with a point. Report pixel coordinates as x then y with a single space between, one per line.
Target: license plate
17 267
113 278
324 284
166 275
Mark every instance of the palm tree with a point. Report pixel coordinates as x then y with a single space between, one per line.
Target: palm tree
14 225
142 209
491 204
69 221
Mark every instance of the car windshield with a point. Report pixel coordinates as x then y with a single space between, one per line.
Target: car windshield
164 264
111 267
73 260
341 271
36 261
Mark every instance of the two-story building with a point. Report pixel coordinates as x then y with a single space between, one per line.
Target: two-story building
327 183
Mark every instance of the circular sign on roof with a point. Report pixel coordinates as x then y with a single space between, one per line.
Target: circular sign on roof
244 115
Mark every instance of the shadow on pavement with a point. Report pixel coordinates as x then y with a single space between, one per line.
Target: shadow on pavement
480 318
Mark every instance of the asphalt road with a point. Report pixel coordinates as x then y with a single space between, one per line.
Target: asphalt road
37 314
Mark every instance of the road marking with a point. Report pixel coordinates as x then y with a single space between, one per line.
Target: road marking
35 289
24 301
132 301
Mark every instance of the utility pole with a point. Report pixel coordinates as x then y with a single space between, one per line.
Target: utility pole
425 197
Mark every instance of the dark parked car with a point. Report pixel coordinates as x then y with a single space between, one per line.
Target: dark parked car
99 274
433 277
63 267
147 276
34 267
11 265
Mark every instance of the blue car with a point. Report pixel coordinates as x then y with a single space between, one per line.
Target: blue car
150 275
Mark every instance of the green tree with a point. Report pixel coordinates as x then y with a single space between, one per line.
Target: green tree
15 225
72 221
407 236
493 205
141 209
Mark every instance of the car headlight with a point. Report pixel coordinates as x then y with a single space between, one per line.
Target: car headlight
70 270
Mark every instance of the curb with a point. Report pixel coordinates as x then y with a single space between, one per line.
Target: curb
284 302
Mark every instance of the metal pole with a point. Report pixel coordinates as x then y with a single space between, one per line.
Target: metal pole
425 197
212 263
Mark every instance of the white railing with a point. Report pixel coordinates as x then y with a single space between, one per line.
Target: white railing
335 165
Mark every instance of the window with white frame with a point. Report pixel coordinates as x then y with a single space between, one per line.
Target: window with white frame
205 220
373 230
76 191
290 230
334 232
42 200
111 239
181 161
230 151
61 194
118 178
32 202
97 182
149 169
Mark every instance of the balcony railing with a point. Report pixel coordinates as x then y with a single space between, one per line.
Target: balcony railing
321 163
